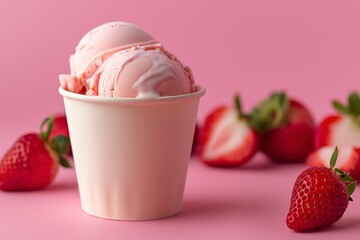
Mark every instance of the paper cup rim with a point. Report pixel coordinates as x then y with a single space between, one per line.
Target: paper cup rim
199 93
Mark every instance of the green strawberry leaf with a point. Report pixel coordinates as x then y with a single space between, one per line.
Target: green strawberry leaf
340 107
60 144
346 178
46 128
340 172
353 107
354 104
351 188
334 158
64 162
270 113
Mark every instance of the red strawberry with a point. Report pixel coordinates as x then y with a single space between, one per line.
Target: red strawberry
348 159
226 139
286 128
60 128
32 162
342 129
320 197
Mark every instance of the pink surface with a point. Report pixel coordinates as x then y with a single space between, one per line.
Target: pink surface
309 48
243 203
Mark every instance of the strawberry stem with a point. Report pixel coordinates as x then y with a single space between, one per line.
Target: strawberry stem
238 106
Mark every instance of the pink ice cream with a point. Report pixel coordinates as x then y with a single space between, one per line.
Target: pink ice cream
119 59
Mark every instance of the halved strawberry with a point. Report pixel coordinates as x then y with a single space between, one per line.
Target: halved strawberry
286 128
348 159
32 162
226 139
342 129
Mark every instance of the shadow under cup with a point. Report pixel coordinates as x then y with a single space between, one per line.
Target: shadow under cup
131 155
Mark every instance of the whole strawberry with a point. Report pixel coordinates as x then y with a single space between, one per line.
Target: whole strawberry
320 197
32 162
286 128
341 129
227 139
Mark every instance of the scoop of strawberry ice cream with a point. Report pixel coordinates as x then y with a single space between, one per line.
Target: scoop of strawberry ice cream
143 72
119 59
98 45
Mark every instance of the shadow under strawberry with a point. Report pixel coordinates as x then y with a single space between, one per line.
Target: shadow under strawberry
343 225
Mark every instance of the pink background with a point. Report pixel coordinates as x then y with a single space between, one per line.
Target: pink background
310 48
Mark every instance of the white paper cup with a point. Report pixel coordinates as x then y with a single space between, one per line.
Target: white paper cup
131 155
